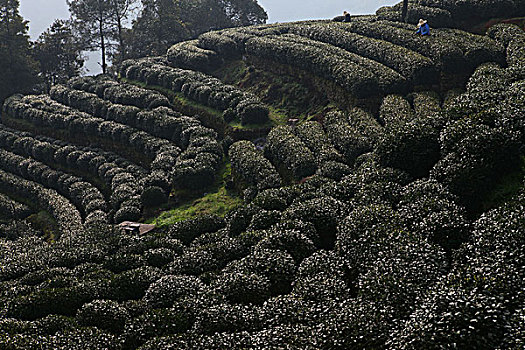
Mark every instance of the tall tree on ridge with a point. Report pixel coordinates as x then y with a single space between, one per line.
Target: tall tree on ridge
18 69
92 20
58 53
121 10
158 25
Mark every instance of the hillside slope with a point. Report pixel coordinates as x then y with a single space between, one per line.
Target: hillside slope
381 175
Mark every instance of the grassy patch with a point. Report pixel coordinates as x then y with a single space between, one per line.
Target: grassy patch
216 200
44 222
181 100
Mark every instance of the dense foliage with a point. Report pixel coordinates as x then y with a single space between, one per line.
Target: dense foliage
393 219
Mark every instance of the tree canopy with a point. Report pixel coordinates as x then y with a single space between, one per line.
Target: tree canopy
18 69
165 22
58 53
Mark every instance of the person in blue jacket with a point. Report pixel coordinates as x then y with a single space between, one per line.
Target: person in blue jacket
423 28
346 16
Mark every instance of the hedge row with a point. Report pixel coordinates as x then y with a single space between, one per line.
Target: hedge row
85 196
268 288
449 49
230 43
416 68
161 151
161 122
482 141
284 148
365 123
487 84
409 143
427 104
66 215
188 55
120 93
123 186
484 9
249 167
197 165
10 208
436 17
200 87
194 167
516 55
504 33
314 137
49 150
477 49
388 79
347 140
349 75
395 110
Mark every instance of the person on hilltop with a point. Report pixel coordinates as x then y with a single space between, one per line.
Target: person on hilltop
423 28
347 16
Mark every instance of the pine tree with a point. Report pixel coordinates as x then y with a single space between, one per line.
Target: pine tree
18 70
92 20
121 11
58 53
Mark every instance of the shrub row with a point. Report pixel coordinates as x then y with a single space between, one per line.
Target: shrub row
326 298
120 93
350 142
162 122
188 55
84 124
388 79
516 55
365 123
477 49
84 195
118 180
230 43
314 137
504 33
487 84
9 208
67 216
448 49
163 153
475 156
284 148
415 67
249 167
197 165
194 167
349 75
482 142
395 110
355 73
436 16
481 8
199 87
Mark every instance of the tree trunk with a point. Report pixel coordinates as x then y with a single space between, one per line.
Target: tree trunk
102 46
404 11
102 41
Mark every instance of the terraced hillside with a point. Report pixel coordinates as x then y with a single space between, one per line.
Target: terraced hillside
380 175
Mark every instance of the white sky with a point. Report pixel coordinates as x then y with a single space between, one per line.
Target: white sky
41 13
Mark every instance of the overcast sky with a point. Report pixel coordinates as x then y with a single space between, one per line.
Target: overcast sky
41 13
